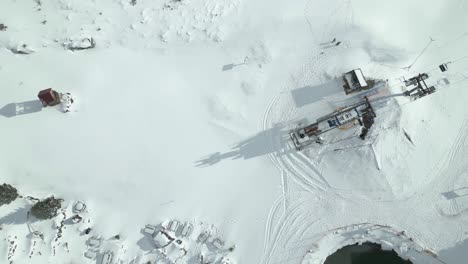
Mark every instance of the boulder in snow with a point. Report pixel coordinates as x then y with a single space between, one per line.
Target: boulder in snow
79 43
21 49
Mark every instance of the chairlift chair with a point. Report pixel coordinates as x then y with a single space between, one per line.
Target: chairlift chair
443 67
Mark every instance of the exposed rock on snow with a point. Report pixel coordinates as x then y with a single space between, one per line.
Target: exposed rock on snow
74 44
8 194
23 49
47 208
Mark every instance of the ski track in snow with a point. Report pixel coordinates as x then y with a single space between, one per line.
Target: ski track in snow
452 166
296 165
292 164
301 169
283 225
268 226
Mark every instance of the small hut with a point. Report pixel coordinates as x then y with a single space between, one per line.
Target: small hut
354 81
49 97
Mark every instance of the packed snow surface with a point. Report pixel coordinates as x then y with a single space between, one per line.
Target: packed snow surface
181 113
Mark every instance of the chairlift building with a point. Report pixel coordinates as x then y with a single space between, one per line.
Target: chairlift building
360 111
354 81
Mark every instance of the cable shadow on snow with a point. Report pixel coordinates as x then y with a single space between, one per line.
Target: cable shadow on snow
266 142
23 108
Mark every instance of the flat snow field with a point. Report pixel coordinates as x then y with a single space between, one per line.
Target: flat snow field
182 111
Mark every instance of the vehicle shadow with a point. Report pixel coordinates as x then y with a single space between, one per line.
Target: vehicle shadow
23 108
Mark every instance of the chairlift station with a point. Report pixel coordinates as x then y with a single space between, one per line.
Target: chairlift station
360 112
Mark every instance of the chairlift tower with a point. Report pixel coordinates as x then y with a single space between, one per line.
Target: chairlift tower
420 88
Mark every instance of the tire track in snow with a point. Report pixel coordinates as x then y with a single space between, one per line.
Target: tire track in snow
293 213
301 177
291 165
285 166
459 142
302 172
457 147
306 161
268 226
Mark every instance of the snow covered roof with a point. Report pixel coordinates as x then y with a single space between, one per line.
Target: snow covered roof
161 239
360 77
355 79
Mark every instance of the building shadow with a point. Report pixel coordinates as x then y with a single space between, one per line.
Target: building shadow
456 254
311 94
23 108
145 244
263 143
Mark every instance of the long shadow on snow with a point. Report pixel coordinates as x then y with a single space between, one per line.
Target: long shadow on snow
23 108
312 94
455 255
263 143
18 217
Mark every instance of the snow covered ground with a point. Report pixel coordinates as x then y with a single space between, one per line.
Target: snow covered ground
183 110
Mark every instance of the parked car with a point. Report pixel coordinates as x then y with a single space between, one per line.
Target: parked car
186 230
90 254
173 225
218 243
149 230
106 258
203 236
94 242
226 260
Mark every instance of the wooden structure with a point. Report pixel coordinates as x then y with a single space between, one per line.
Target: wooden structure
354 81
49 97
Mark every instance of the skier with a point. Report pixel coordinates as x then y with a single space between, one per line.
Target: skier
338 43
